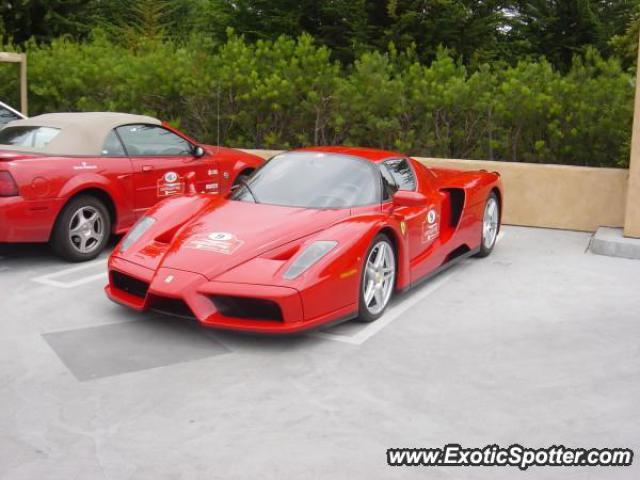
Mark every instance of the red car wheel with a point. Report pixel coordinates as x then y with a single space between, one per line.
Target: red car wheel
490 225
378 279
82 229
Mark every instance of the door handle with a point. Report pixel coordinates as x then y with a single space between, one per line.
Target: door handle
147 168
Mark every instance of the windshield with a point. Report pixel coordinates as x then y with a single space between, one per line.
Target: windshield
313 180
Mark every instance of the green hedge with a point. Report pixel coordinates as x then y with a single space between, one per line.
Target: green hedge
289 93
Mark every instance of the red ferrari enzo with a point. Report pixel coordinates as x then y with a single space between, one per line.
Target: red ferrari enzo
75 178
315 236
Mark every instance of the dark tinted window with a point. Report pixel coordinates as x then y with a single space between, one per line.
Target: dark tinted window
113 146
402 173
153 141
389 186
32 137
7 116
314 180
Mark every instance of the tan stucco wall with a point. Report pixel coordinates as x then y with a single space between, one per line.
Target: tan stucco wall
553 196
556 196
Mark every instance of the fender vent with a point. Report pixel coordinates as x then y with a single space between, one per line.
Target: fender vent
243 307
456 196
128 284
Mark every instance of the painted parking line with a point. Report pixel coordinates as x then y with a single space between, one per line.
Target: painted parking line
79 277
395 310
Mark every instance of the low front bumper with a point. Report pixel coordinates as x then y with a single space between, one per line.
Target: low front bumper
192 295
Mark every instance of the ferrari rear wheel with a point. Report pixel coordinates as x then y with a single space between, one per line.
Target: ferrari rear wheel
490 225
82 229
378 279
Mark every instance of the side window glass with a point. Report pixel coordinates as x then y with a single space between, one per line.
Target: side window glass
389 186
7 116
113 146
402 173
28 136
153 141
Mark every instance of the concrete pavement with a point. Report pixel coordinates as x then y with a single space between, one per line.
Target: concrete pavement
537 345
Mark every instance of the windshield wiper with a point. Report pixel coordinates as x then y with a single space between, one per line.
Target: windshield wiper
245 184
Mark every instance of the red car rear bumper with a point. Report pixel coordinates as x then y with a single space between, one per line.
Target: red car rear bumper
26 221
233 306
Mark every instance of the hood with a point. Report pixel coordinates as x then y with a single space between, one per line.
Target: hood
232 232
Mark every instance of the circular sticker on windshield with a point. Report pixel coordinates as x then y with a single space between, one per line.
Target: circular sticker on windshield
431 216
171 177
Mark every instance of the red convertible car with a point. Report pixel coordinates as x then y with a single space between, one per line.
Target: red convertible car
75 178
315 236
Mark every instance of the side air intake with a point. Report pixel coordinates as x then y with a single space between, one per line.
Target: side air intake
456 197
456 253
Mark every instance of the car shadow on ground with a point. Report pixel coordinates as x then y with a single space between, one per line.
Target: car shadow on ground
39 254
230 338
24 250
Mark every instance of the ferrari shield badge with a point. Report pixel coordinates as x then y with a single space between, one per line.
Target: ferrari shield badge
218 242
170 184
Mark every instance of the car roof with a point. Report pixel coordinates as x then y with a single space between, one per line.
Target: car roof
81 133
371 154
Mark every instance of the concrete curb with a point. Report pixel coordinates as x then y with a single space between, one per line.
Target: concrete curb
611 242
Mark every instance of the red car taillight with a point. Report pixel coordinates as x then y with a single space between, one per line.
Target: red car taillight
8 187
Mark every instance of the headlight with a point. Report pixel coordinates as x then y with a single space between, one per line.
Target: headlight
136 232
311 255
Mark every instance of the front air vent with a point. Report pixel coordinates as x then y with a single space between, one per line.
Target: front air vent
170 306
128 284
250 308
167 236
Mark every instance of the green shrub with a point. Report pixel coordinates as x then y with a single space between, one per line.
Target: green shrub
288 92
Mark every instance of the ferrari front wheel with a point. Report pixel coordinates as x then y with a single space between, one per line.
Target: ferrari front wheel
490 225
378 279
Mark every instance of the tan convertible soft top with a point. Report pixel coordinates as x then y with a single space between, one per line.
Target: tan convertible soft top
81 133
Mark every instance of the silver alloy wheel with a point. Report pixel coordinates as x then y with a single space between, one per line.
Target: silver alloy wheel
379 277
490 223
86 229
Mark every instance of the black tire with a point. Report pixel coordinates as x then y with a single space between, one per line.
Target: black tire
69 246
364 315
486 249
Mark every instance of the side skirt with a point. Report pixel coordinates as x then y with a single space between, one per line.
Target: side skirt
440 269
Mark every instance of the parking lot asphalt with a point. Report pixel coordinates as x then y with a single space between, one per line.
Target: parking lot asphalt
537 344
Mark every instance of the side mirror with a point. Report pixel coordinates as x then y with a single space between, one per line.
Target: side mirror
198 151
406 198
